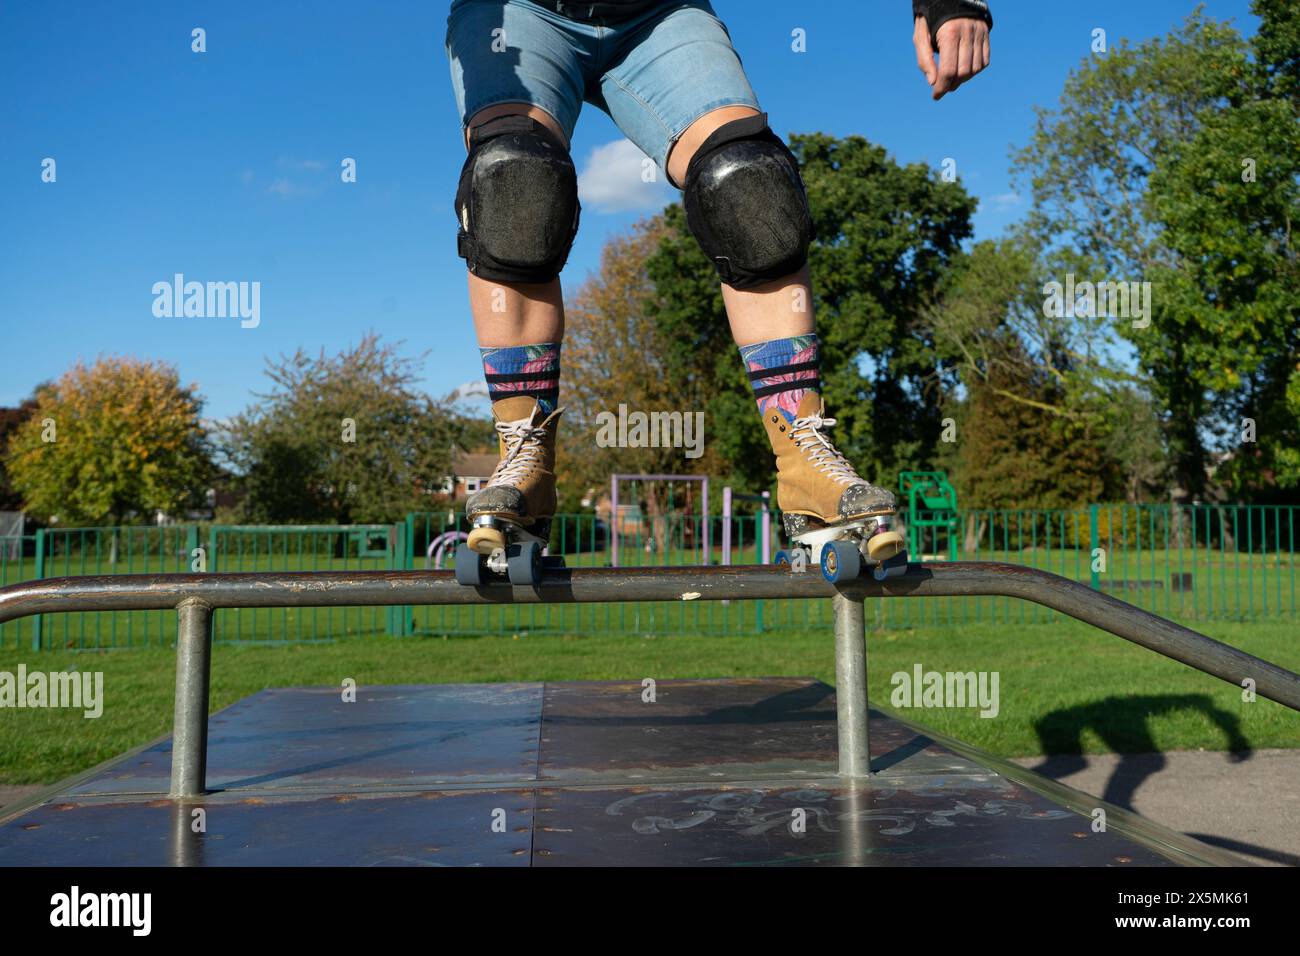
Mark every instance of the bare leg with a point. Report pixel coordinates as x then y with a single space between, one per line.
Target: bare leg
774 310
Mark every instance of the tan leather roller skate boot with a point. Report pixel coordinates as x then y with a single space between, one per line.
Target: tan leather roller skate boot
834 518
510 516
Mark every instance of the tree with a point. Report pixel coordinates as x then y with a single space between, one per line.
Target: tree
117 439
342 439
1277 48
615 353
1014 451
1009 350
1227 201
1134 443
990 313
1142 175
10 419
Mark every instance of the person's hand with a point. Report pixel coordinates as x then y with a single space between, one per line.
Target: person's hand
963 52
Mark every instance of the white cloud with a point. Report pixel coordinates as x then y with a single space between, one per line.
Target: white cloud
299 178
1003 201
313 165
613 180
282 188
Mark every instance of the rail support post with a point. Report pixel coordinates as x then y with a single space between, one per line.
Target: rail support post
193 673
851 685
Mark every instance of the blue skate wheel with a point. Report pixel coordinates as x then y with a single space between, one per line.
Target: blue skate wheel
782 558
894 567
469 567
524 564
841 560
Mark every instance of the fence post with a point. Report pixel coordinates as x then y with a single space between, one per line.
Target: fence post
396 532
1094 542
399 559
408 619
191 545
40 573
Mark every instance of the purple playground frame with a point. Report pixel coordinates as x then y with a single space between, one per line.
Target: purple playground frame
613 508
766 499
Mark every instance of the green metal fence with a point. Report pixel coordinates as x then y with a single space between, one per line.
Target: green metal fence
1202 562
1222 562
180 548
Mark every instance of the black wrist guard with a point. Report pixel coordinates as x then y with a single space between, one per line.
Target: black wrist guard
939 12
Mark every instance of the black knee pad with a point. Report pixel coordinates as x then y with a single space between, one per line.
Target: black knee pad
517 202
746 204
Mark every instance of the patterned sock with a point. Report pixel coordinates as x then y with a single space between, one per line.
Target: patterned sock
524 370
782 371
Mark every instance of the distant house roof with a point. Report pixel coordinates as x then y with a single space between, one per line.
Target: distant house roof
470 465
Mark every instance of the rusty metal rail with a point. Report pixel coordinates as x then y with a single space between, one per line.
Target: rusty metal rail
196 596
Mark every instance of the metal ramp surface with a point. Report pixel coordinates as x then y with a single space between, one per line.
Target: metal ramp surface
712 772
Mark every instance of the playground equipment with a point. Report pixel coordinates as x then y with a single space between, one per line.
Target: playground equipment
585 772
371 542
764 529
931 503
614 531
438 547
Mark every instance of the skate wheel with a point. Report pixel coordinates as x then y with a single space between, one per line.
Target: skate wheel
469 566
841 560
524 563
486 540
782 559
893 567
883 545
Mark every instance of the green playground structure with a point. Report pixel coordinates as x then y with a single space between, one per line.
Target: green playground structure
931 504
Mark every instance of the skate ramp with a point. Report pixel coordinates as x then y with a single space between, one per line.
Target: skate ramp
711 773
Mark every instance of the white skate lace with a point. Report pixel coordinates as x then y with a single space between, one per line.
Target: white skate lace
523 448
808 437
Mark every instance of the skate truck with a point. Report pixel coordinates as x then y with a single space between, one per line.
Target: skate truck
843 548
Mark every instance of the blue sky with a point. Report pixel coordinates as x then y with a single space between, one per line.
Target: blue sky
224 166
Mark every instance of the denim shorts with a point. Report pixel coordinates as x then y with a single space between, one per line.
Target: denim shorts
654 74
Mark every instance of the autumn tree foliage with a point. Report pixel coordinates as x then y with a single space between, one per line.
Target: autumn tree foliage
615 351
346 438
115 439
10 420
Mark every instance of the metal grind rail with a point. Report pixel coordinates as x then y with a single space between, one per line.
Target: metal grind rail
196 596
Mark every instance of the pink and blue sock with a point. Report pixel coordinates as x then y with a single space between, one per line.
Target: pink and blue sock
524 370
782 371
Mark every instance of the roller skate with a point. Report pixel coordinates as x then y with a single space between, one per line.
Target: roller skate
510 516
833 518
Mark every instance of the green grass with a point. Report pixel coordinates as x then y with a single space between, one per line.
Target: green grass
1072 680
